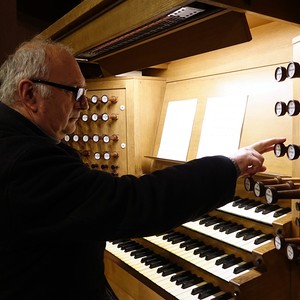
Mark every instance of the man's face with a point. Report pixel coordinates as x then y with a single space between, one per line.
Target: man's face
58 113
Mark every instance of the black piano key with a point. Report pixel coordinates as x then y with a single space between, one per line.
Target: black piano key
234 228
251 235
252 205
167 267
184 278
170 271
263 238
181 275
207 251
140 253
217 226
124 244
242 233
191 244
149 257
179 239
261 207
270 209
226 226
191 282
214 254
244 203
206 219
232 262
243 267
188 242
281 212
208 292
210 253
148 260
237 202
132 247
119 241
157 263
201 288
168 235
172 237
221 260
200 249
212 221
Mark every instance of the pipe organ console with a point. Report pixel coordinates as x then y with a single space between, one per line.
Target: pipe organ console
246 249
249 248
233 252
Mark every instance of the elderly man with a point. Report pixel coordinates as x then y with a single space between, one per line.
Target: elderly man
56 213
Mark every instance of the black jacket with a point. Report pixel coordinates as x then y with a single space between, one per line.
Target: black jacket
55 212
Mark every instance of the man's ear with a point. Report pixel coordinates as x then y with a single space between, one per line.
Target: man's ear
27 94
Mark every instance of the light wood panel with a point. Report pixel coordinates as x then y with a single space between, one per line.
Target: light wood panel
88 26
284 10
118 20
270 45
239 70
142 105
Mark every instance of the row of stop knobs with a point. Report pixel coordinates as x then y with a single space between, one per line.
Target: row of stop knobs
290 245
292 151
278 187
106 155
274 189
105 138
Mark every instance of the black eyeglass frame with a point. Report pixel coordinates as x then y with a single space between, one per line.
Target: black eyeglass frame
77 91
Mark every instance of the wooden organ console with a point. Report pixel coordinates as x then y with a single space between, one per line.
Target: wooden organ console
229 253
249 248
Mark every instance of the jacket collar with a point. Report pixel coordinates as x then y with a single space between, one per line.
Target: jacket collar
12 121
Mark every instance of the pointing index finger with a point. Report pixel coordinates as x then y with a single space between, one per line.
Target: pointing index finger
267 145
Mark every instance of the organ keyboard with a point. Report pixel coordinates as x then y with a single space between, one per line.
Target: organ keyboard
230 232
255 210
230 250
206 257
234 251
177 282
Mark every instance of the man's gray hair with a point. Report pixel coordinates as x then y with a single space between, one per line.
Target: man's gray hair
28 62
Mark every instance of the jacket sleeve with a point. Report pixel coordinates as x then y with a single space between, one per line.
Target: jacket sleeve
167 198
55 196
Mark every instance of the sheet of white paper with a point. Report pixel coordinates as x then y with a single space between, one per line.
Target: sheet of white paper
177 129
222 125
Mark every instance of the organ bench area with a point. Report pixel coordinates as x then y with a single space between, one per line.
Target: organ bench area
229 253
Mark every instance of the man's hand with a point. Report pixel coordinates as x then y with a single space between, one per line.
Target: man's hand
249 159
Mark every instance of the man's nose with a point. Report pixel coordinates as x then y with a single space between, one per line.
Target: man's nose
83 103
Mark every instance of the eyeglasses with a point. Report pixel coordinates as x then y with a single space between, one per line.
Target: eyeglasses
77 91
